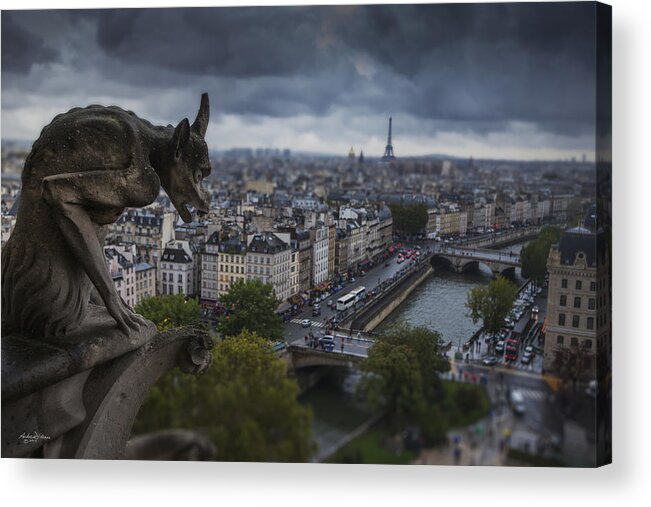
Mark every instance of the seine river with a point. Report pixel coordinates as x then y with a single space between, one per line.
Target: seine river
439 304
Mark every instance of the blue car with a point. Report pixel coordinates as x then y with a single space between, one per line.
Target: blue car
327 343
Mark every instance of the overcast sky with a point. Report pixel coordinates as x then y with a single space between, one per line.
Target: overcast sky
482 80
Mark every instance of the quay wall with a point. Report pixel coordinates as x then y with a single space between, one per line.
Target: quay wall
375 313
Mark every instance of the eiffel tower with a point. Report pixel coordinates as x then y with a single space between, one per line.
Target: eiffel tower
388 151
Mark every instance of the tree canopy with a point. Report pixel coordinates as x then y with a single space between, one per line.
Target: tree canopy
401 374
409 219
572 363
251 306
492 303
170 311
534 255
245 402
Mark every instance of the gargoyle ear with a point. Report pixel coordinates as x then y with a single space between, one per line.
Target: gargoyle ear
181 137
200 125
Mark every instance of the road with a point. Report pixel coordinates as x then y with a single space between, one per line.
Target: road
295 332
540 415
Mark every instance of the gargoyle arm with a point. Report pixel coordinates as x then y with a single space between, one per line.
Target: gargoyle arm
71 195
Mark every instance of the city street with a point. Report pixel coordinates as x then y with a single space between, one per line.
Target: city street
295 333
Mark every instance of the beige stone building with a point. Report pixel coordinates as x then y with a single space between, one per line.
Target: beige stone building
232 264
145 281
268 259
578 301
332 240
449 219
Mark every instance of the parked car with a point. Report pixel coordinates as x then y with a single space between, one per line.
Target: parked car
499 348
306 323
490 360
517 402
535 310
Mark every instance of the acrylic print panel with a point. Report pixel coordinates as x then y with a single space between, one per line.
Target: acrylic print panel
342 234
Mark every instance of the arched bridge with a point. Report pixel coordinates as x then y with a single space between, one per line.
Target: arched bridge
304 357
461 260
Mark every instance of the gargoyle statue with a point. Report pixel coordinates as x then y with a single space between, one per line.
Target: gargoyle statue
86 167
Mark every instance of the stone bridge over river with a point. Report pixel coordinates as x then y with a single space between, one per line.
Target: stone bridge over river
461 260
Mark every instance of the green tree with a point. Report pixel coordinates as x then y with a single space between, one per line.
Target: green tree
252 306
572 364
410 219
492 303
245 402
534 255
402 373
425 343
393 382
170 311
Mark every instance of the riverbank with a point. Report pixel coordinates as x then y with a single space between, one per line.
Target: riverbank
460 405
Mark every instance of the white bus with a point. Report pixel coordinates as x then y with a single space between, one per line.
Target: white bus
359 293
345 302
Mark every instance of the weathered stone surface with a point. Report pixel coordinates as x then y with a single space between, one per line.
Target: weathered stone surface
86 167
29 364
89 413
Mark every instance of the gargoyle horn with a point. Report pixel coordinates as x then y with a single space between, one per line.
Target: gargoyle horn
200 125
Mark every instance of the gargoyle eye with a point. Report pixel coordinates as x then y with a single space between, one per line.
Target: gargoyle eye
197 176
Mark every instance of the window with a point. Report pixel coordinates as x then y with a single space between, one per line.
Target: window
561 319
574 341
575 321
587 344
165 277
591 304
563 301
180 278
590 323
559 340
593 286
578 285
564 283
577 302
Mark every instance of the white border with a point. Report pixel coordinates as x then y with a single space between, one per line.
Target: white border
626 482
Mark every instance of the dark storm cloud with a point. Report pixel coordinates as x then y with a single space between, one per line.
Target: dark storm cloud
240 42
460 67
21 48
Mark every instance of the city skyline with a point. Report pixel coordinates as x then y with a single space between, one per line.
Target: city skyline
501 81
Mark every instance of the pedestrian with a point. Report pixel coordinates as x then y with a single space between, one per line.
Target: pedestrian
457 455
474 378
306 339
342 345
465 376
